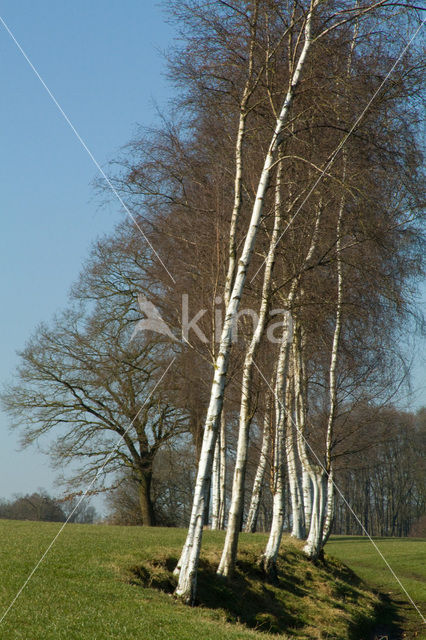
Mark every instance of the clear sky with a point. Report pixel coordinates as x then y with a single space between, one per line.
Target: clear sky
101 60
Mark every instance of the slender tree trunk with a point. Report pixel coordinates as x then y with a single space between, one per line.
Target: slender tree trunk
298 525
321 525
336 339
307 498
315 473
260 474
300 411
313 546
366 505
188 563
219 478
229 553
270 555
333 369
329 508
215 497
219 464
222 473
238 180
269 558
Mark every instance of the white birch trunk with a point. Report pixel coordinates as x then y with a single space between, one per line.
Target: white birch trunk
216 487
333 369
315 498
300 409
333 365
260 475
219 465
336 339
313 546
219 478
299 423
319 534
188 564
307 498
313 529
270 555
330 508
228 558
222 473
320 524
238 180
310 484
298 529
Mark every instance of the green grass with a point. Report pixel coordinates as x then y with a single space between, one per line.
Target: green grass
406 556
98 582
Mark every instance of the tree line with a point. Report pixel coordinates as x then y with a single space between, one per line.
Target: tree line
41 507
383 479
280 200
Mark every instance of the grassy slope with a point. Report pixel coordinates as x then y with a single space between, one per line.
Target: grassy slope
91 587
406 556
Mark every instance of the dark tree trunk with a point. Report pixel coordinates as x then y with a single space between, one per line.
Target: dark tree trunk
147 510
207 504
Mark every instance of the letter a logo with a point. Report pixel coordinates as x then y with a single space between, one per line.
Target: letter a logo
153 320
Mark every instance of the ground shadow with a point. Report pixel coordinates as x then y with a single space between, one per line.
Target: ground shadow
251 599
248 597
385 622
385 626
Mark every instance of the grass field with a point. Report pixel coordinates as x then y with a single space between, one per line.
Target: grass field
97 583
406 556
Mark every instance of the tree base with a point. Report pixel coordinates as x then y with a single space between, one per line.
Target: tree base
315 555
269 568
185 597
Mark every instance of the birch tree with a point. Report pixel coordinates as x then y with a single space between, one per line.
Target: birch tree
219 463
270 555
229 552
322 478
259 479
190 554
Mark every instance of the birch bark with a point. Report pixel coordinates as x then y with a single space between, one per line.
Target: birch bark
307 497
333 370
260 474
319 536
330 508
269 558
219 478
222 472
300 402
298 525
216 486
313 546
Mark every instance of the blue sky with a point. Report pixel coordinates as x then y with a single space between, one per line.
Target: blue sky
101 60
